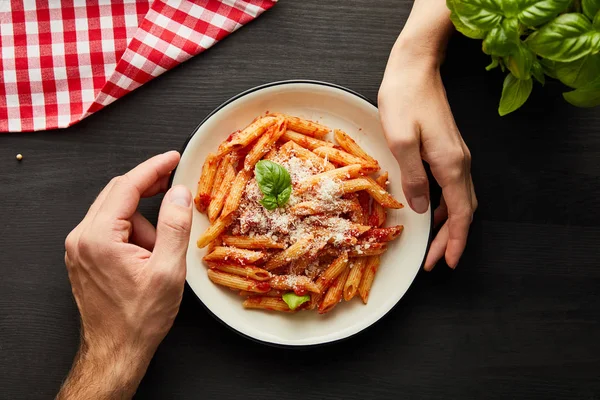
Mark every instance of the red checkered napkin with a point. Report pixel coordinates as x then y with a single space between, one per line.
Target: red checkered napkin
62 60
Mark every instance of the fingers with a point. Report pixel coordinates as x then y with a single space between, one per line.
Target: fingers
441 213
173 231
160 186
407 150
460 215
122 200
143 233
437 248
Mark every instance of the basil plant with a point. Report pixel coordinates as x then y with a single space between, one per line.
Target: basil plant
537 38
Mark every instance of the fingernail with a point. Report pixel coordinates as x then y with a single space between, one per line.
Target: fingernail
420 204
181 196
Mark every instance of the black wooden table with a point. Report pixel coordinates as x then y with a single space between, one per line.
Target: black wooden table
519 318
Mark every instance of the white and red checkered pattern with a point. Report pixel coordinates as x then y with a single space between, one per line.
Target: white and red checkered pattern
62 60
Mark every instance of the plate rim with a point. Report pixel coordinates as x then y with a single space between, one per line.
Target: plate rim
187 285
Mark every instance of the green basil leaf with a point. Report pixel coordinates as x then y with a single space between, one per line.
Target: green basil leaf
579 73
498 42
294 301
538 72
583 97
521 61
549 67
510 8
538 12
567 38
495 62
590 7
480 14
284 196
271 177
596 22
515 93
269 202
461 26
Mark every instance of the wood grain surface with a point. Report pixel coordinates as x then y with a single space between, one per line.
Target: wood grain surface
519 318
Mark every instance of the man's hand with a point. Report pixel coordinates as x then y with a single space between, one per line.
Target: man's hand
419 125
127 279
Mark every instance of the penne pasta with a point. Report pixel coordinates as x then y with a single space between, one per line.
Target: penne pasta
248 271
334 293
232 254
341 157
368 249
267 303
335 268
310 223
350 146
205 183
243 138
315 207
292 149
270 293
236 191
211 246
343 173
378 213
218 200
298 283
371 267
305 141
304 126
254 242
214 231
357 269
295 251
264 144
383 234
368 184
237 282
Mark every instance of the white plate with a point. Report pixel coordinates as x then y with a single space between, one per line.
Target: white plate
335 107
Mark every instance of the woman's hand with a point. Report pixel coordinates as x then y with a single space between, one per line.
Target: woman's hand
127 279
419 125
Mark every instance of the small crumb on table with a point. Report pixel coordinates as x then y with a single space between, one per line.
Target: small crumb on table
19 157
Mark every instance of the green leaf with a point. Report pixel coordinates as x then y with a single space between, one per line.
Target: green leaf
499 42
495 62
596 22
461 26
269 202
567 38
579 73
515 93
583 97
590 7
521 61
549 67
538 72
284 196
479 14
538 12
274 182
272 178
588 96
294 301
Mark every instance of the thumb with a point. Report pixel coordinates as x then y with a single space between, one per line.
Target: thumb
173 228
415 184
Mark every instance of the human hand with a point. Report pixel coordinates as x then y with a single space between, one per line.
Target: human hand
419 125
127 278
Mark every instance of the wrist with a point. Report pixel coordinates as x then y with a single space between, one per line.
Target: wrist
106 370
408 52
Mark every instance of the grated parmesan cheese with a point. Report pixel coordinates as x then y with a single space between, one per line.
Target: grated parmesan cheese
282 226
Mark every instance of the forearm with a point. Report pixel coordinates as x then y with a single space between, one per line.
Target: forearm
426 33
101 373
